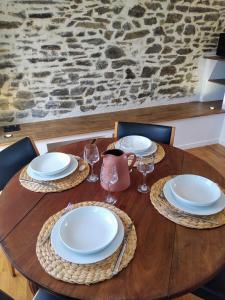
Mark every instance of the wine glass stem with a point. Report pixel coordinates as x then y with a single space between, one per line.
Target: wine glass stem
144 179
109 192
92 169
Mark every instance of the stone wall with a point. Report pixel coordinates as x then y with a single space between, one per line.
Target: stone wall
61 57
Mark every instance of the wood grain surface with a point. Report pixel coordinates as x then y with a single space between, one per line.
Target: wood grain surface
100 122
170 260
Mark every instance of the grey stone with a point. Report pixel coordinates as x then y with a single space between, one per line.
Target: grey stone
137 11
167 50
91 25
147 72
117 9
158 31
89 91
102 20
153 5
95 41
87 82
84 63
211 17
96 55
79 90
150 21
6 117
187 19
9 25
87 108
201 9
3 79
76 53
172 90
173 18
41 74
114 52
67 104
109 75
60 92
184 51
127 26
124 62
189 29
182 8
116 25
50 47
39 113
134 89
102 10
21 115
23 104
41 94
143 95
150 40
136 23
179 60
41 16
180 29
25 95
108 34
6 65
136 34
129 74
168 70
101 65
100 88
169 39
155 48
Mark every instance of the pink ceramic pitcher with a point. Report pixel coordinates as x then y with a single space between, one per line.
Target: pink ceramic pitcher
119 159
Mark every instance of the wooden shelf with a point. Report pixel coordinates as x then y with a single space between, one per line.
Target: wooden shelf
215 57
101 122
219 81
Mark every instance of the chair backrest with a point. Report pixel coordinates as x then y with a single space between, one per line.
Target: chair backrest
4 296
14 157
158 133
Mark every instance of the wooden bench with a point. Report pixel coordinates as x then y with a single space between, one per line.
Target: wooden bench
86 126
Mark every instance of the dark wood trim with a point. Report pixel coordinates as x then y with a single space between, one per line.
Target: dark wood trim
215 57
219 81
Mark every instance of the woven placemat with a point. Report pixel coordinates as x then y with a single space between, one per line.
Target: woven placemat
58 185
158 155
77 273
178 216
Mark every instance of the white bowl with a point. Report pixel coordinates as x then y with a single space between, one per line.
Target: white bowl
88 229
50 163
195 190
135 143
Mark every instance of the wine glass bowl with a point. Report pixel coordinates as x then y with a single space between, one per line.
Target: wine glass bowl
91 155
145 167
108 177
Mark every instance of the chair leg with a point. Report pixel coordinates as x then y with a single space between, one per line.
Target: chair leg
13 271
33 287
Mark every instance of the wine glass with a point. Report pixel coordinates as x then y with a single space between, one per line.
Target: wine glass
91 155
145 167
109 176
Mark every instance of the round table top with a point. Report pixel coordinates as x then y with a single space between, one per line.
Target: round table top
170 260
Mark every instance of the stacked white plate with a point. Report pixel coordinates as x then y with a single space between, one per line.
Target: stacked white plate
194 194
52 166
87 234
137 144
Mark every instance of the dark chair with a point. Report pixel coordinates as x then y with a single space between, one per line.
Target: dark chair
44 295
4 296
158 133
214 289
12 159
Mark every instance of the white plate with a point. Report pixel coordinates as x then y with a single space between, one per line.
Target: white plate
69 170
195 190
135 143
73 257
88 229
152 149
194 210
50 163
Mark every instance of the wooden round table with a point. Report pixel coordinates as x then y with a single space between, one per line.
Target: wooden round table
170 260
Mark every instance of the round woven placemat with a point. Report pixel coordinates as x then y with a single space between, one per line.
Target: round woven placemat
58 185
66 271
158 155
177 216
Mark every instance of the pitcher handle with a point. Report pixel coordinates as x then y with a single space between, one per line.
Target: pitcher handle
133 161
